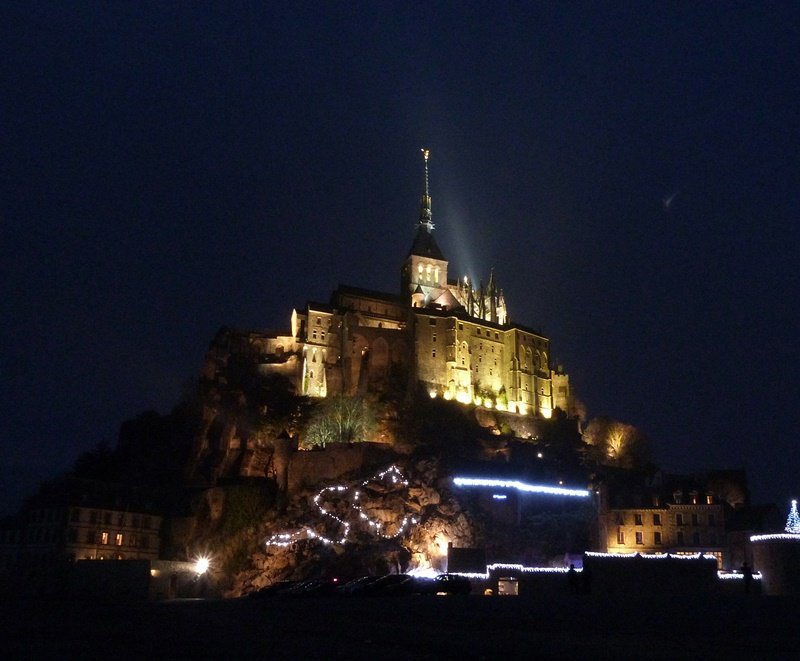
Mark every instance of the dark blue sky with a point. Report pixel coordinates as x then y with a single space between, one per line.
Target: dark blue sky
168 168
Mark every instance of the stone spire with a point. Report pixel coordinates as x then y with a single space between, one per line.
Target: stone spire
425 215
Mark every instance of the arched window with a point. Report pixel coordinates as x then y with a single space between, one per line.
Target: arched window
436 273
419 268
428 272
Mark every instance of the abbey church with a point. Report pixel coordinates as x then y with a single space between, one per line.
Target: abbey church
454 339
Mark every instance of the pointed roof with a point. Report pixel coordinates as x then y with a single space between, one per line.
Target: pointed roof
424 244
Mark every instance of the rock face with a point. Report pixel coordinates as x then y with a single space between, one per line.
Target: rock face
396 522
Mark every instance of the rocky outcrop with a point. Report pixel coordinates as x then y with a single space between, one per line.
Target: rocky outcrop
394 526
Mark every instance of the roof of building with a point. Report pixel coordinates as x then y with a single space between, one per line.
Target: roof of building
366 293
425 245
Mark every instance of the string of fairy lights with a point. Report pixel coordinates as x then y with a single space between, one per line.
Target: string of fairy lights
392 476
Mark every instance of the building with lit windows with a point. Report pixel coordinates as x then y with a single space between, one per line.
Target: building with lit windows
454 338
680 517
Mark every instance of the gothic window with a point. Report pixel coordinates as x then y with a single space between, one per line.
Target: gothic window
314 356
314 334
419 268
428 272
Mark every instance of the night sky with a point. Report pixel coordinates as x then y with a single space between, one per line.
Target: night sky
169 168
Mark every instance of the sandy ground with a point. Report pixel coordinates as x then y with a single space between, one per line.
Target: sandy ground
409 627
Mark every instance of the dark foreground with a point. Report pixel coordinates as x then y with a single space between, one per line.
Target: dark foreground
410 627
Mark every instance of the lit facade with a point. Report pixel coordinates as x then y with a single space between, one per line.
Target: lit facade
51 534
678 522
454 338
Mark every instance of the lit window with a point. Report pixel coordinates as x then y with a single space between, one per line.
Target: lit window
709 499
104 537
419 268
657 538
118 539
639 537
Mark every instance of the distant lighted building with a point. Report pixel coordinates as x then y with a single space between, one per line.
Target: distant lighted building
677 518
455 338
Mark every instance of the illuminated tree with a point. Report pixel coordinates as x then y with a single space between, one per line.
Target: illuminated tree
793 522
616 443
340 419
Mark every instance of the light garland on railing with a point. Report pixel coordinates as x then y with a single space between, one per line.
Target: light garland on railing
728 576
500 566
784 536
653 556
519 486
391 474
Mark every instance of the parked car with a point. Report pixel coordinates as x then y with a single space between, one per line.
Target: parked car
273 590
451 584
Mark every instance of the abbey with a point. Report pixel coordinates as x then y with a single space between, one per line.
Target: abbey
452 338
